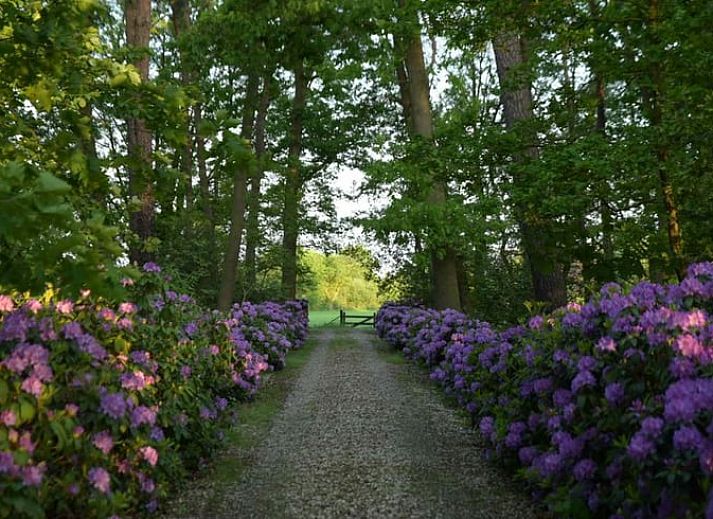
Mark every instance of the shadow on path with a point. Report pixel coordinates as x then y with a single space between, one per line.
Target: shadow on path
356 438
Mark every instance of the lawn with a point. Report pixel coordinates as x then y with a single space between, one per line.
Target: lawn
318 318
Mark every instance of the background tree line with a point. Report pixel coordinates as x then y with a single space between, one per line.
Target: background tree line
527 150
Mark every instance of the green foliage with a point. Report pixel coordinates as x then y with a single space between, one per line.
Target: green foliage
138 393
42 240
54 226
68 88
338 280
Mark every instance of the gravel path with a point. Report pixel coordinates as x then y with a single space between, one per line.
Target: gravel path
362 437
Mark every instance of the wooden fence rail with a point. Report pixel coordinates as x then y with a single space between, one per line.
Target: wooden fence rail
356 320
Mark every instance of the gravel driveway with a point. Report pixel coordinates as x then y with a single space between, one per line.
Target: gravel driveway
363 437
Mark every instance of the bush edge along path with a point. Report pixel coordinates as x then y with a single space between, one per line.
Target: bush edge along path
605 409
208 494
360 436
103 406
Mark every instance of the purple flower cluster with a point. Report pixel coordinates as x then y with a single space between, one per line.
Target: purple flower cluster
101 393
615 393
34 359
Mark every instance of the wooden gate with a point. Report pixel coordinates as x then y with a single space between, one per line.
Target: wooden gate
355 320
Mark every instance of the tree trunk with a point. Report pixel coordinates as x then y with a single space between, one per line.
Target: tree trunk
548 278
444 273
606 271
181 14
293 187
203 180
403 82
252 234
138 139
98 180
605 210
463 285
668 198
237 215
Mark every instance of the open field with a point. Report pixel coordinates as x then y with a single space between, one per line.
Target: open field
318 318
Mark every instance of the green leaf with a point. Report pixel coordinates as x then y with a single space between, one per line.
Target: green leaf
4 391
41 95
60 433
26 507
27 410
48 183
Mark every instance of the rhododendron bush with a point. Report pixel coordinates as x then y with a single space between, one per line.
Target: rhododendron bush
605 408
103 406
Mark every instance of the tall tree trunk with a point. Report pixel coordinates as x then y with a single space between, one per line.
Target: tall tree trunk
181 14
548 275
666 190
99 184
293 187
138 139
607 270
463 285
604 208
403 81
252 228
203 180
444 272
237 214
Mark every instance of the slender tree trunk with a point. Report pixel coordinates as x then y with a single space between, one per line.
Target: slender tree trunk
403 82
463 285
293 187
548 278
237 215
98 180
666 190
252 234
203 180
607 270
444 272
584 251
605 210
181 14
141 222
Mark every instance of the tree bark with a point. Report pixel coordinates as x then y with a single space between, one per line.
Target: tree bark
203 180
252 229
607 271
444 273
237 215
463 285
666 190
403 82
548 277
181 15
98 180
138 139
293 187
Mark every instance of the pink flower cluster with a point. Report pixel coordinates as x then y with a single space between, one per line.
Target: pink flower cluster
99 400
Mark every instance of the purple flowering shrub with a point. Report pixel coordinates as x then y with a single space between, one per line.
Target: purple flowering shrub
103 406
269 328
605 408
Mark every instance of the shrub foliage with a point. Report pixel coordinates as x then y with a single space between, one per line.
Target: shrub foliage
605 408
103 406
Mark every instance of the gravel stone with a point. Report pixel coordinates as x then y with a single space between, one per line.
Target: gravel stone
361 437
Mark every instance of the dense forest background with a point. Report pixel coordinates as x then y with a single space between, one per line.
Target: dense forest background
528 151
